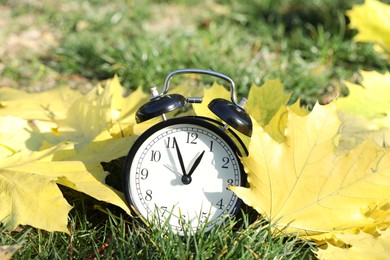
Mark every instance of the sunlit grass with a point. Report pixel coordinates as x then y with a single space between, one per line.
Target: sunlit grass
98 233
307 45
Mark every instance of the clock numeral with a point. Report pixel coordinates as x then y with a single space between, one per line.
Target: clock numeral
170 142
229 183
164 210
226 161
220 204
148 196
181 221
156 156
211 146
191 138
144 174
203 217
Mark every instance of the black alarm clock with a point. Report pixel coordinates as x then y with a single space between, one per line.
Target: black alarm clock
179 171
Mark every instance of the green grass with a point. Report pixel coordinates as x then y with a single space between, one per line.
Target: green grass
307 44
96 234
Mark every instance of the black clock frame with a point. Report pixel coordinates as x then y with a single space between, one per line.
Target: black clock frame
210 124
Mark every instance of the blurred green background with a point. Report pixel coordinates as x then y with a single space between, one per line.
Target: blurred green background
307 44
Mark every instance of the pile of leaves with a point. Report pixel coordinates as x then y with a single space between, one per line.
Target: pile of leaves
323 175
316 179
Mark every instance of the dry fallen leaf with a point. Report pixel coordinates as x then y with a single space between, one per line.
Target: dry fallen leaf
62 137
267 106
366 111
371 99
37 106
360 246
371 19
30 198
265 101
301 185
44 144
277 125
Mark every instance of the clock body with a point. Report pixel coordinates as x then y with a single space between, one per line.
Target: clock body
179 172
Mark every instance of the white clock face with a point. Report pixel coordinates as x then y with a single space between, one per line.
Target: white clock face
181 173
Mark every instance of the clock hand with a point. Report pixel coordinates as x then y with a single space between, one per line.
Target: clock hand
196 163
180 157
185 179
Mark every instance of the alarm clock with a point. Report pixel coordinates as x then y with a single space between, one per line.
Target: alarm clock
178 172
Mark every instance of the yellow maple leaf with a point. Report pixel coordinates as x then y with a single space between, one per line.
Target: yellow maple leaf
62 137
75 117
372 22
371 99
45 147
29 198
366 110
294 184
14 143
359 246
37 106
277 125
24 172
265 101
267 105
123 109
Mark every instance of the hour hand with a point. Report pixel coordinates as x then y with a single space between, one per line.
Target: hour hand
196 163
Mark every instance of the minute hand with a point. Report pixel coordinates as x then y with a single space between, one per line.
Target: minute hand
196 163
183 169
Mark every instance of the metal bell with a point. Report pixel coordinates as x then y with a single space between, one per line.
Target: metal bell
159 106
232 114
